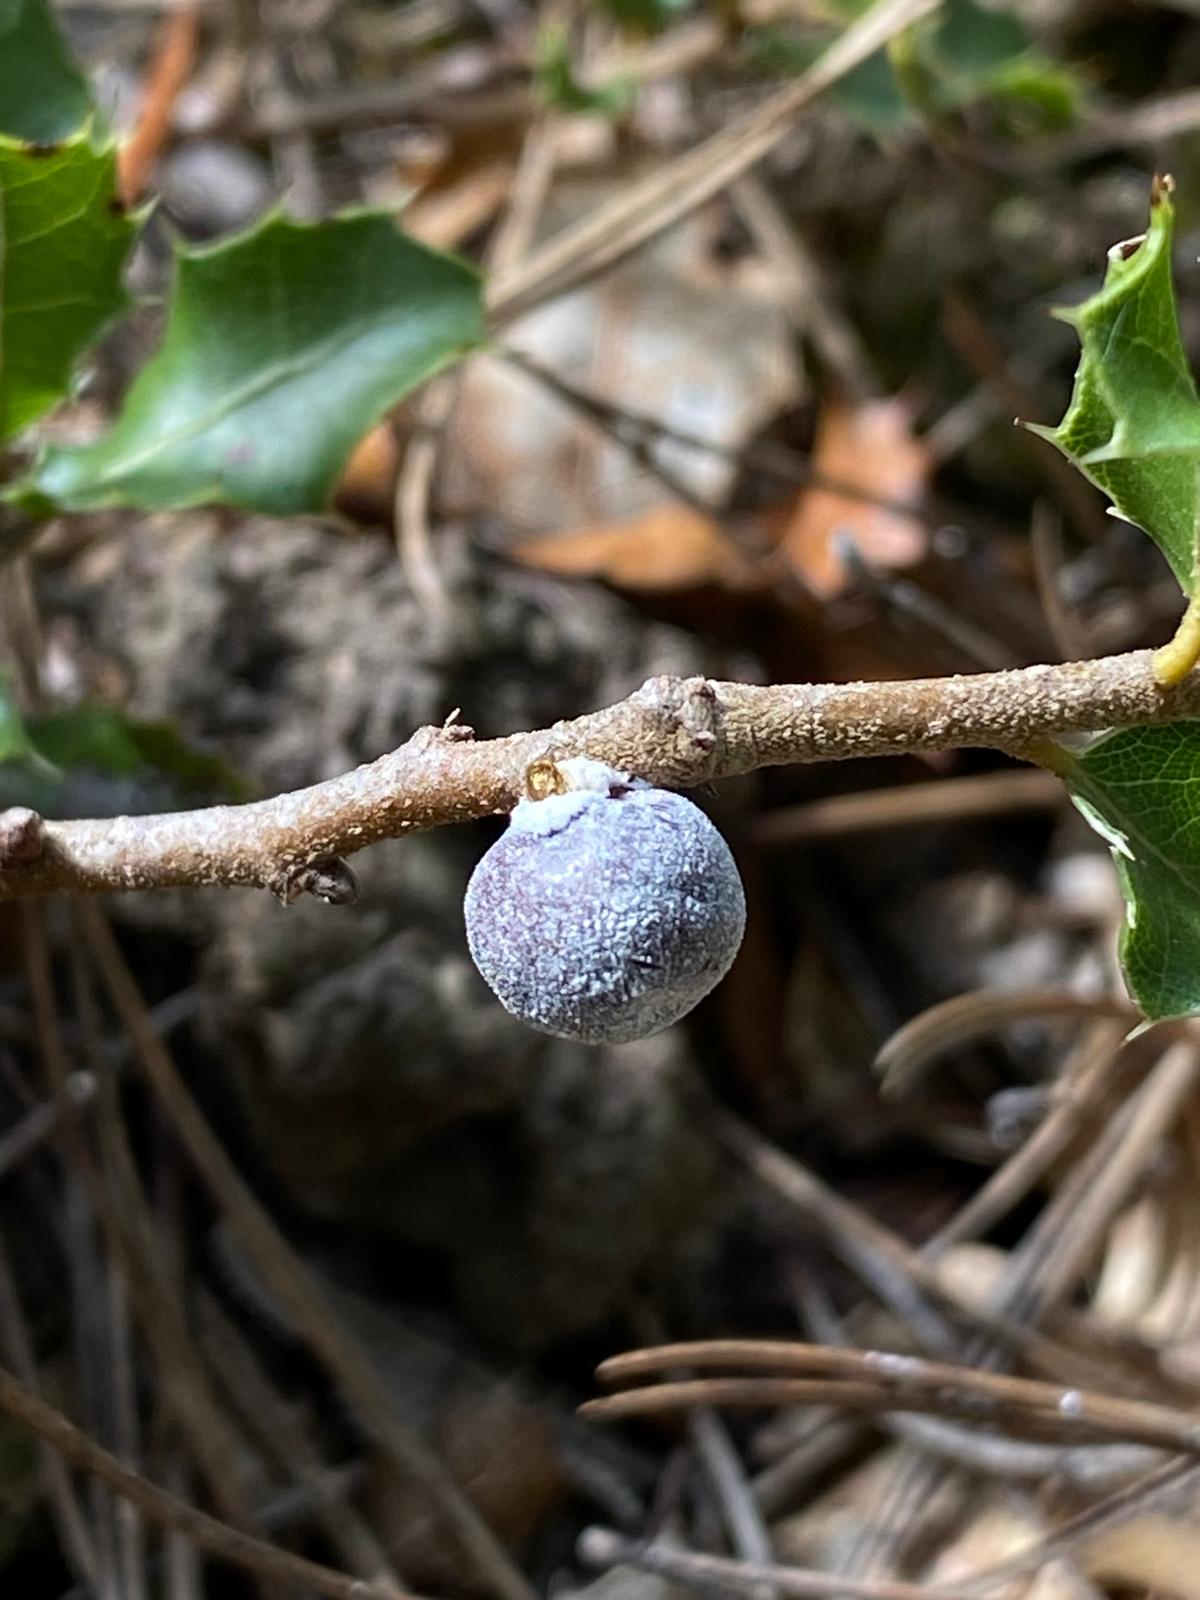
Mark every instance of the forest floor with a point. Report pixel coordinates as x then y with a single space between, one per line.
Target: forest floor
331 1246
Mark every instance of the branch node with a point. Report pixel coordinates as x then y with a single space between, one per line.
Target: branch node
22 836
450 732
328 878
688 712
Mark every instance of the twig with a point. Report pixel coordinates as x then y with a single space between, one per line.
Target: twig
435 410
131 1553
629 431
281 1433
745 1525
814 308
414 484
644 209
911 805
1068 632
992 1455
872 1380
671 731
169 71
289 1281
882 1259
635 429
604 1548
1066 1238
908 600
966 1017
266 1561
78 1544
25 1136
1150 121
1174 1481
971 337
121 1209
830 1440
1091 1073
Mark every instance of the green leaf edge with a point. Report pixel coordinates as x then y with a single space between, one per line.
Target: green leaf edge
1086 796
27 494
1128 261
102 142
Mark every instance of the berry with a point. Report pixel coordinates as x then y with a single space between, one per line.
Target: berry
607 909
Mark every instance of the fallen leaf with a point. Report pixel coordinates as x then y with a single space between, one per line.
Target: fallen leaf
671 546
444 216
367 485
1155 1551
871 447
679 333
996 1530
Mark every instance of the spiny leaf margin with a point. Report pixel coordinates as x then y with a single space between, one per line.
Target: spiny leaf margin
43 95
1133 422
283 345
65 239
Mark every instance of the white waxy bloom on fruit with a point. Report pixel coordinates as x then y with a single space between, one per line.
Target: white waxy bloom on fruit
607 909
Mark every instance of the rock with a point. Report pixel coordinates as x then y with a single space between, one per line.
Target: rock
211 187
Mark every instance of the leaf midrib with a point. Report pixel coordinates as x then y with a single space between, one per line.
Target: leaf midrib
276 375
1104 801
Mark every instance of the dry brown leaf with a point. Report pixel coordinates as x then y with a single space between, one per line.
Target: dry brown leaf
444 216
1153 1551
999 1528
870 446
681 333
670 546
368 481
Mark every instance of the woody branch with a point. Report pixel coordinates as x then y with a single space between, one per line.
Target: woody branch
673 732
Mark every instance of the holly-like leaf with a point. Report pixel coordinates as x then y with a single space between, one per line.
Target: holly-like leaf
64 241
980 52
107 739
1140 789
1133 424
282 346
38 753
43 95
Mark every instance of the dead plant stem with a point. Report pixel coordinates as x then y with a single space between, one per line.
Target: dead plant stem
264 1560
288 1279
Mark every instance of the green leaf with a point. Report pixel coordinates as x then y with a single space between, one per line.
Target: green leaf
26 777
869 94
282 346
964 53
15 743
1140 789
560 88
36 753
43 95
647 16
973 41
1133 424
979 52
109 740
64 241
